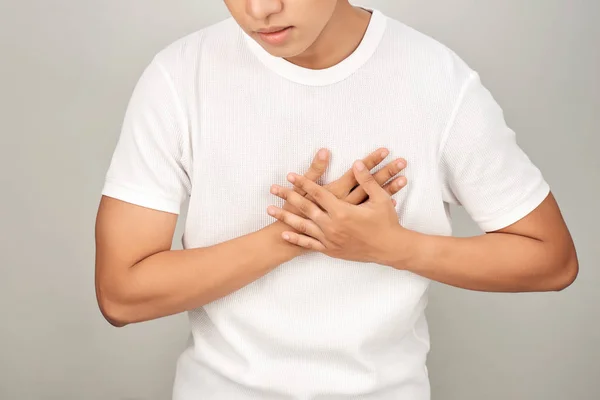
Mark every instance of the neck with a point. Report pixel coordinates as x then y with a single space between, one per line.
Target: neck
340 37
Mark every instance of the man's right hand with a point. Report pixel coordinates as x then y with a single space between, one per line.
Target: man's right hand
345 187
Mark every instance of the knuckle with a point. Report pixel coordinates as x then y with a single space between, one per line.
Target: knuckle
302 227
316 195
319 168
392 171
299 191
311 174
304 207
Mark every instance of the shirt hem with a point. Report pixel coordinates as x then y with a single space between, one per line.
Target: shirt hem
526 206
133 196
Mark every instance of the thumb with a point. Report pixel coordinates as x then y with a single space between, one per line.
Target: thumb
368 183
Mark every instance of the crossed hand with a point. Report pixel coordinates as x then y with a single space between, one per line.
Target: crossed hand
351 218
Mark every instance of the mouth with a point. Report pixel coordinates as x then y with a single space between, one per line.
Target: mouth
273 29
275 35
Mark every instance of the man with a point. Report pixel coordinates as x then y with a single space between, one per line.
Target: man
325 298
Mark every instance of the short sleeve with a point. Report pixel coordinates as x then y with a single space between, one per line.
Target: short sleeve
483 167
151 163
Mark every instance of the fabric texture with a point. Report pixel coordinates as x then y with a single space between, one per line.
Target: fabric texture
215 120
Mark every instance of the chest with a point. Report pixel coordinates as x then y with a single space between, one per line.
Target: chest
252 134
245 141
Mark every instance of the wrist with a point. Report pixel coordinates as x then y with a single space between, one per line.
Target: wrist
405 249
275 230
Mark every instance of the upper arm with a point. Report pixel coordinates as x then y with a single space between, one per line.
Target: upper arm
126 234
147 182
546 223
152 162
488 173
483 167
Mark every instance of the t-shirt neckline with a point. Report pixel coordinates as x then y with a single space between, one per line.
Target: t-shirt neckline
333 74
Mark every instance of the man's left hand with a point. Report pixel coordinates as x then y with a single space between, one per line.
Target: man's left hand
337 228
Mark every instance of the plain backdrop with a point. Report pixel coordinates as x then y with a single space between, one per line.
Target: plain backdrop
67 69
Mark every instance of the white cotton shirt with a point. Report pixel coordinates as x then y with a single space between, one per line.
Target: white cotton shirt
217 120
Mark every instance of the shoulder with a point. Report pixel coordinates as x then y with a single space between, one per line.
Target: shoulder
178 65
185 55
422 56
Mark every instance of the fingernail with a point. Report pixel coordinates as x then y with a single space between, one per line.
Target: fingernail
401 163
271 211
291 178
359 166
384 154
322 154
286 236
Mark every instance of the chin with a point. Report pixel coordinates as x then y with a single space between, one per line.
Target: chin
288 51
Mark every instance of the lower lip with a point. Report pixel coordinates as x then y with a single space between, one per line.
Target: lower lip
275 38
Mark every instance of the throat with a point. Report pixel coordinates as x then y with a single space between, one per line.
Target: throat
338 40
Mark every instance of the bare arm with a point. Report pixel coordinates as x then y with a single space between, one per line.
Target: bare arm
483 169
534 254
138 277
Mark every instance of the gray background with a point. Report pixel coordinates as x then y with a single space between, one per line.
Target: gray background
66 73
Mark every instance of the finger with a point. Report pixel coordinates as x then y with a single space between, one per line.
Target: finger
302 225
359 195
367 181
317 168
307 207
323 197
347 182
394 203
303 241
395 186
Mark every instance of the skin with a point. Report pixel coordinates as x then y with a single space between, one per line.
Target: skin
534 254
139 278
324 31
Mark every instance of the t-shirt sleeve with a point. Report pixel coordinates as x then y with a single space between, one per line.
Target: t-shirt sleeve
483 167
151 163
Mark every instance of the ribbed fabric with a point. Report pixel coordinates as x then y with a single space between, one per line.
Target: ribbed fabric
217 119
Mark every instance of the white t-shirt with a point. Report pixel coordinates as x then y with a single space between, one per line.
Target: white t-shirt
216 119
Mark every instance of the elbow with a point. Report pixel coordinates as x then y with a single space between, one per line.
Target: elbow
113 313
112 308
566 272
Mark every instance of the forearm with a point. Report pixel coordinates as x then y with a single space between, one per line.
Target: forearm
494 262
174 281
